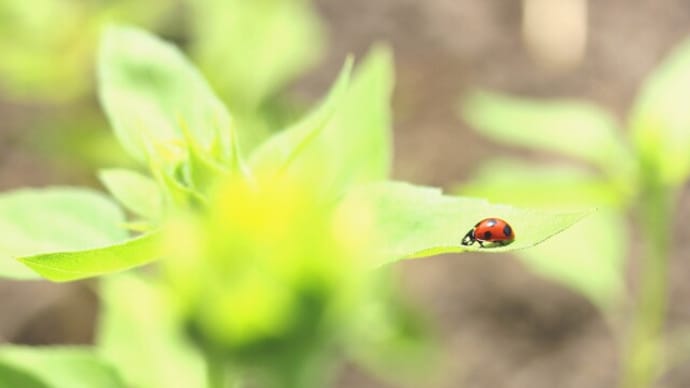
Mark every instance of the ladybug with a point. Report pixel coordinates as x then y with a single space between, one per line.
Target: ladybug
490 230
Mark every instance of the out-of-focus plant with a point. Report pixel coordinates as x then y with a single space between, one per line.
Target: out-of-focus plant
48 46
249 50
639 174
272 264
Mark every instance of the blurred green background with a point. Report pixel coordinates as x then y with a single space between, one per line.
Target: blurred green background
501 324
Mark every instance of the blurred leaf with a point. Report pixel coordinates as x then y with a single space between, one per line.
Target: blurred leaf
11 376
35 62
136 192
588 257
274 155
418 221
557 187
74 265
203 170
137 312
167 165
35 221
393 340
149 89
263 271
78 140
48 46
354 146
660 119
573 128
250 49
60 367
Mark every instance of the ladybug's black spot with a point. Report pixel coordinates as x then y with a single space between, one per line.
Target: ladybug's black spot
507 231
490 222
487 235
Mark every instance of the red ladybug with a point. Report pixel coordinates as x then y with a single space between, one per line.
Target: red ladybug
490 230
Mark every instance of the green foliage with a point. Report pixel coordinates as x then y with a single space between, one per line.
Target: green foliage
573 128
643 179
11 376
36 221
55 367
136 192
47 45
419 221
148 86
390 334
277 39
521 183
660 120
264 264
587 257
348 136
150 91
136 310
275 154
267 265
75 265
355 146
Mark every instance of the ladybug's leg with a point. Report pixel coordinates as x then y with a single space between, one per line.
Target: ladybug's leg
481 243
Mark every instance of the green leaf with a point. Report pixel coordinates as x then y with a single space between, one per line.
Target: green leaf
588 257
417 221
48 46
519 183
36 221
136 192
660 120
171 176
203 170
276 40
67 266
355 146
136 311
10 376
276 154
60 367
147 87
573 128
391 334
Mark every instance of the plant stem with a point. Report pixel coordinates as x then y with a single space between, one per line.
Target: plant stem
642 360
311 370
216 375
215 370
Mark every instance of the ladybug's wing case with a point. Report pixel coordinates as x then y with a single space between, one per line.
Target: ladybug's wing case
498 232
492 230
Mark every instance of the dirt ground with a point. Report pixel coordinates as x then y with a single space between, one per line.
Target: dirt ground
501 326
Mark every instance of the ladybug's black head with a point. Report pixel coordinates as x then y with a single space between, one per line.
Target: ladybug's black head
469 238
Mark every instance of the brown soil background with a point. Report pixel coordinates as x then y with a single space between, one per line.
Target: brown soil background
501 326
